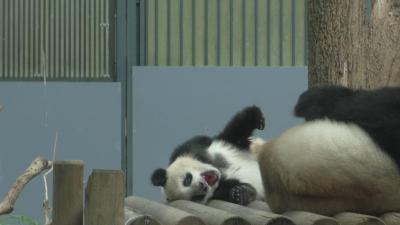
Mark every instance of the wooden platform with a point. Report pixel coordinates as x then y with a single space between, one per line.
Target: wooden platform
140 211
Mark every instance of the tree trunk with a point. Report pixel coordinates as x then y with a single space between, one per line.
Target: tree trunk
349 48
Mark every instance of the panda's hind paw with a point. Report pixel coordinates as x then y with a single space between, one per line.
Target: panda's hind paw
242 194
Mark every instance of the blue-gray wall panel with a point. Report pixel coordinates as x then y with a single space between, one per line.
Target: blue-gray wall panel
86 116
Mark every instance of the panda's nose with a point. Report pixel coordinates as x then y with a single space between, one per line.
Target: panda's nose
203 187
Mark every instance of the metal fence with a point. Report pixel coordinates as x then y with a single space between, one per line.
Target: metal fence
74 39
226 32
56 40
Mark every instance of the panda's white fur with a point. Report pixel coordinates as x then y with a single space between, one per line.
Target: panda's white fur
243 164
223 167
328 167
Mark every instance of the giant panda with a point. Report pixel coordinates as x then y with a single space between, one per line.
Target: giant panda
344 157
221 167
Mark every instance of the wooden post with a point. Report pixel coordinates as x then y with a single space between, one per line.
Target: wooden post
254 216
68 193
165 214
105 194
209 215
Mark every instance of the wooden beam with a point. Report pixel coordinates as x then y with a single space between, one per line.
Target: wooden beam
254 216
134 218
68 192
209 215
165 214
105 194
260 205
307 218
348 218
391 218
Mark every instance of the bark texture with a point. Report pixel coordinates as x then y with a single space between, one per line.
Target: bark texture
350 48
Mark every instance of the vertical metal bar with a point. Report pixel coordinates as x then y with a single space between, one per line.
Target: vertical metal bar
156 33
280 32
169 55
193 33
2 38
218 32
17 37
40 39
231 33
293 32
181 37
244 33
132 60
69 34
256 32
100 45
143 32
96 40
24 42
12 40
268 10
90 40
7 63
206 32
121 68
306 32
111 37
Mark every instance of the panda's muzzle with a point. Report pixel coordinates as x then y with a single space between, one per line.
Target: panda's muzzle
203 187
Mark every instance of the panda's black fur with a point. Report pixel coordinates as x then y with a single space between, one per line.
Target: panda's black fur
236 137
375 111
345 157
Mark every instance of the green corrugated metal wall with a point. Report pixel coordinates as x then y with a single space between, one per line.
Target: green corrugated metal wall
56 39
226 32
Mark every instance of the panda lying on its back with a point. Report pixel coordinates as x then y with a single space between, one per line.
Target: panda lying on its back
345 157
222 167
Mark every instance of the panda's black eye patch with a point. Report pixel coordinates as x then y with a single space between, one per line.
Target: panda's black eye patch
187 180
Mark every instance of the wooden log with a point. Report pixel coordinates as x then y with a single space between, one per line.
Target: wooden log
307 218
210 216
260 205
391 218
68 192
165 214
348 218
134 218
105 194
254 216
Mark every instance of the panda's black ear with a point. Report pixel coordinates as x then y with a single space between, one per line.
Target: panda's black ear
159 177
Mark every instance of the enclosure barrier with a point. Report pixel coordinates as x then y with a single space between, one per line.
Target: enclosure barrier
104 204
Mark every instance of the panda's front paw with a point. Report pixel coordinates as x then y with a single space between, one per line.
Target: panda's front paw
242 194
255 117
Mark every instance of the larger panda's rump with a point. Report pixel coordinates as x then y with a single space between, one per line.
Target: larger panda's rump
325 162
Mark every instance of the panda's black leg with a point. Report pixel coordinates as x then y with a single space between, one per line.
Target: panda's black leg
235 192
241 126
